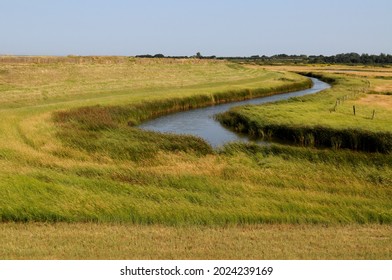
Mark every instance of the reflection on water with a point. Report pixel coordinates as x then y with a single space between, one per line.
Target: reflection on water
201 122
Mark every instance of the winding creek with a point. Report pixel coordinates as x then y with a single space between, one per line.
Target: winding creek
200 122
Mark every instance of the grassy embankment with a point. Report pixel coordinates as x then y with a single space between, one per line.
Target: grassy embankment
60 162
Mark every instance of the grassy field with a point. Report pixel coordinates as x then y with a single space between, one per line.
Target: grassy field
71 161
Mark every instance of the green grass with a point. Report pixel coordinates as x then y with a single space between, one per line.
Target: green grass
69 152
235 187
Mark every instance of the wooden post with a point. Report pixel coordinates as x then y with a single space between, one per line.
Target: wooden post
354 109
374 113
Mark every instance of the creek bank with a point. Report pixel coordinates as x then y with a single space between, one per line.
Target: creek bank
202 123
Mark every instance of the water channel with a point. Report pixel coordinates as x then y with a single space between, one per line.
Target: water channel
200 122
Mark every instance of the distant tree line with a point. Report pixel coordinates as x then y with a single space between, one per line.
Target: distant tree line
353 58
198 55
344 58
159 55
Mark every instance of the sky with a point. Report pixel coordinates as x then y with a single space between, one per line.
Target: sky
185 27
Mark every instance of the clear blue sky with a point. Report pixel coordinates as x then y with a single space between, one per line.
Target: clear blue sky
181 27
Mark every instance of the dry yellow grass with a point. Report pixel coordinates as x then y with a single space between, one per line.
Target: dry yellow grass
110 241
384 101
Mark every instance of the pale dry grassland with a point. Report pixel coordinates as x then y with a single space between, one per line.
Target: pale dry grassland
108 241
377 100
